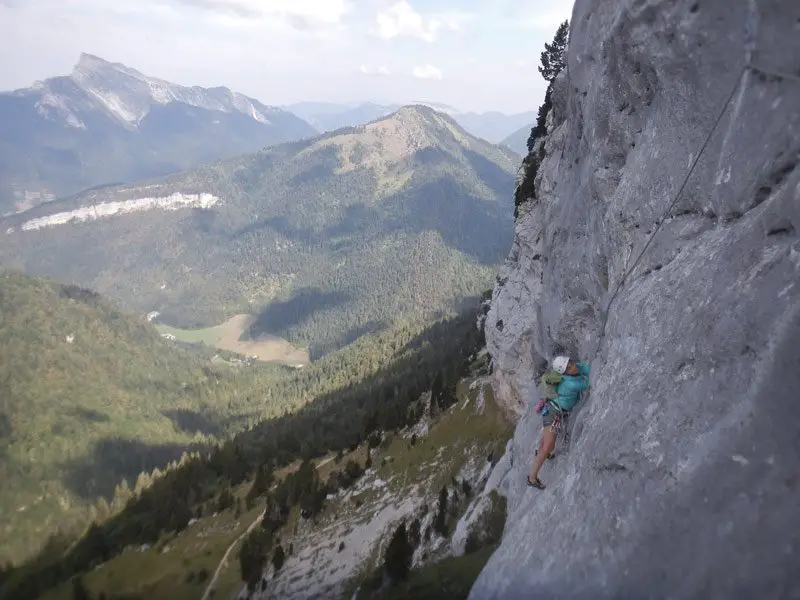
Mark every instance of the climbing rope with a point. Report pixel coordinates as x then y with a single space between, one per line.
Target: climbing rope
628 271
686 179
672 204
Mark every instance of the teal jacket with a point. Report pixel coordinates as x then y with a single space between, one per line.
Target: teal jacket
571 386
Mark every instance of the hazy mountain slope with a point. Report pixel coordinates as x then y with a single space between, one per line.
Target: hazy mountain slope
343 547
90 394
492 126
329 116
518 141
334 236
106 123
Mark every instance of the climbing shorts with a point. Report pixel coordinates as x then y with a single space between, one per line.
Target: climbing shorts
554 419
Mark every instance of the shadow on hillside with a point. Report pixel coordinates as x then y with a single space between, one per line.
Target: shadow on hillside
475 227
191 422
357 219
498 180
112 459
88 415
5 435
6 429
315 174
353 334
205 220
279 316
430 156
281 225
348 337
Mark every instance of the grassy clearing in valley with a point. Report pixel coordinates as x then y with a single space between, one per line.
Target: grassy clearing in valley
268 348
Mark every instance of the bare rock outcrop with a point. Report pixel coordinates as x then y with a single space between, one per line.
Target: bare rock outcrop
682 476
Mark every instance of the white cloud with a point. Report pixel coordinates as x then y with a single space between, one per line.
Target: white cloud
323 11
380 71
314 48
427 72
402 20
547 19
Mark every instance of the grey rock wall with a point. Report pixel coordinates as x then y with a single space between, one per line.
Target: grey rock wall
683 475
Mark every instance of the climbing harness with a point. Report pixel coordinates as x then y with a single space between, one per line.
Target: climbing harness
560 422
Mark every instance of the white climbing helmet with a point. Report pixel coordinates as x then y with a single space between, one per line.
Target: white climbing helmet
560 364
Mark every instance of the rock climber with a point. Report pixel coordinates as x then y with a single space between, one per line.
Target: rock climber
556 410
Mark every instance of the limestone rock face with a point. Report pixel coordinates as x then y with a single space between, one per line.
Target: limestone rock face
682 478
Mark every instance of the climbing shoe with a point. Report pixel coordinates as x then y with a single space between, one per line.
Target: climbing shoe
536 483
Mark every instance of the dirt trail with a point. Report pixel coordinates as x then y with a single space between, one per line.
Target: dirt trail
224 561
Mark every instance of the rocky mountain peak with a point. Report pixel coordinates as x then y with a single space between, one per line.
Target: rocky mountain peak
125 93
155 127
90 62
413 132
128 94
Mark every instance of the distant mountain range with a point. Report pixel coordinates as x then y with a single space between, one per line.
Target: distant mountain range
325 239
518 141
107 123
492 126
326 116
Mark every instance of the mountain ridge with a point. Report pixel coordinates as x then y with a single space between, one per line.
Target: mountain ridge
336 210
493 126
91 73
106 122
518 141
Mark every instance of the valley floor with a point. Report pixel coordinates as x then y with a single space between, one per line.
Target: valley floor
227 336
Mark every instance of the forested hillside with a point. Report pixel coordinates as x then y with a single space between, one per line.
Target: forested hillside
323 240
90 394
373 385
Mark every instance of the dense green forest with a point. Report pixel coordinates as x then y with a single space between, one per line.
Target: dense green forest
89 394
323 240
335 404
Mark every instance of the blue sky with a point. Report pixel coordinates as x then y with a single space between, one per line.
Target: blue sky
474 55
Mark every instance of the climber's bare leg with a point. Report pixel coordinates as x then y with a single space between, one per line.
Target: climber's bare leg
546 445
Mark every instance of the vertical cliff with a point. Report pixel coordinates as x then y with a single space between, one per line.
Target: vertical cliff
682 475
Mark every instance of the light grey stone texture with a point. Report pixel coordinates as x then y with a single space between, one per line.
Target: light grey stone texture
683 475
